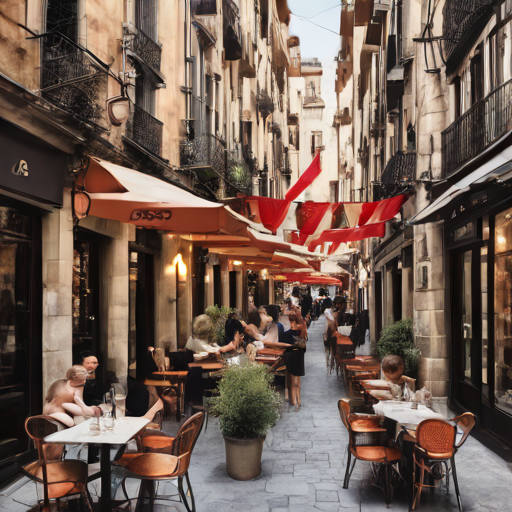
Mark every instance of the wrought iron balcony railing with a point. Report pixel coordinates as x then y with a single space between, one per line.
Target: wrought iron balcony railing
401 169
205 150
485 122
459 16
71 80
145 130
149 51
143 49
232 31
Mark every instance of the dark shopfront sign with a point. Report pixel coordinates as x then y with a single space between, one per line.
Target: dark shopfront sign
30 167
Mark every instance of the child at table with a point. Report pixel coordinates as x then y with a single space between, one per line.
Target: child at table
392 370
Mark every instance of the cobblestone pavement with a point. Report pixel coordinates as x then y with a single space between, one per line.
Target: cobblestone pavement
303 464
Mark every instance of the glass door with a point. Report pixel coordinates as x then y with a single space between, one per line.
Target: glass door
503 311
20 345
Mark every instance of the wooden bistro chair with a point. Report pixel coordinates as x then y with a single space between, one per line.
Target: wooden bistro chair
368 442
60 478
153 466
436 444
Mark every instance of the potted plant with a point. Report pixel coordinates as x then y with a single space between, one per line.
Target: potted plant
398 339
248 406
218 316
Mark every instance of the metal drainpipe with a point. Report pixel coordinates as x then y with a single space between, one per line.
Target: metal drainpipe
187 53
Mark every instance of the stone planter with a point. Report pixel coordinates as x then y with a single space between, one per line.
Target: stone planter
243 458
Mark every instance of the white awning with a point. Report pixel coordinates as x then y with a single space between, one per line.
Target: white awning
498 168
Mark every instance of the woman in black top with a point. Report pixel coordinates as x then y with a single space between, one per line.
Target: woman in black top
296 337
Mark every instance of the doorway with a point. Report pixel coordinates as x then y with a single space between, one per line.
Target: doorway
141 318
20 328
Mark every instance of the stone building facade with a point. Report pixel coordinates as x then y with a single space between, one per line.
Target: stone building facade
427 99
191 92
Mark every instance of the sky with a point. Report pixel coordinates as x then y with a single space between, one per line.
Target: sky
318 42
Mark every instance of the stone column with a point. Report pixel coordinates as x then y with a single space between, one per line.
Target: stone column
57 240
429 305
224 277
239 289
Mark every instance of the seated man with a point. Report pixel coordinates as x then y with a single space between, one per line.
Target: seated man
392 370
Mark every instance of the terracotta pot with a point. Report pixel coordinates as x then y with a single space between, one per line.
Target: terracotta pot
243 458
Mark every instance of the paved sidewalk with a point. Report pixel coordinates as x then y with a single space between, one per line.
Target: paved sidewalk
303 464
304 457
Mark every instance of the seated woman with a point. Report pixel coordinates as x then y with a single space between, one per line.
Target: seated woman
296 337
63 403
202 330
232 327
392 370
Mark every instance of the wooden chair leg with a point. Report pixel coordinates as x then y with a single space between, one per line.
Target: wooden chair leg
456 484
347 471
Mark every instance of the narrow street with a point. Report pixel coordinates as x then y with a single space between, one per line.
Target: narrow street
304 464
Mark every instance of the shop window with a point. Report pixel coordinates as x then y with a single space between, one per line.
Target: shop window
503 310
484 319
467 318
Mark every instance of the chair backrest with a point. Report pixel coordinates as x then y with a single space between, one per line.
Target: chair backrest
344 408
186 438
38 427
436 436
465 422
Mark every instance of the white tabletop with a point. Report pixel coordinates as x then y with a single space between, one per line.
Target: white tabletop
403 413
124 430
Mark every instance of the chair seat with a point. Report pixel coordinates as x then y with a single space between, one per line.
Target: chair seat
376 453
64 478
366 426
158 444
154 465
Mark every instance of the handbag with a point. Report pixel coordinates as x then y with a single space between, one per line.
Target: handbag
299 342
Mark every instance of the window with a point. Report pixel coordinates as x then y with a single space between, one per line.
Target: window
204 7
316 141
503 310
146 17
294 138
145 91
334 192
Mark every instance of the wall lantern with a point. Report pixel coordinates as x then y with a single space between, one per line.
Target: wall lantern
118 110
182 268
81 205
237 263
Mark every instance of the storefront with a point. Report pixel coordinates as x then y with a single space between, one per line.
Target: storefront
478 239
32 177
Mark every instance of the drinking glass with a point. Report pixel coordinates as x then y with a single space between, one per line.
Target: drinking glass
109 422
95 426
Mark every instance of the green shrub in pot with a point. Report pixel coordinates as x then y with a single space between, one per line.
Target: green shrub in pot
248 405
398 339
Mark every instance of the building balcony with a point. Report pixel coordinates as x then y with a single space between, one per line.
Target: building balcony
145 130
204 152
398 176
232 31
313 102
72 79
144 50
484 123
205 155
460 19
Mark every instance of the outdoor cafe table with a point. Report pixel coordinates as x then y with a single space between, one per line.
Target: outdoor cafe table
124 430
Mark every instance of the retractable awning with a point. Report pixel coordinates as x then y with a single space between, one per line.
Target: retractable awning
132 197
498 170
